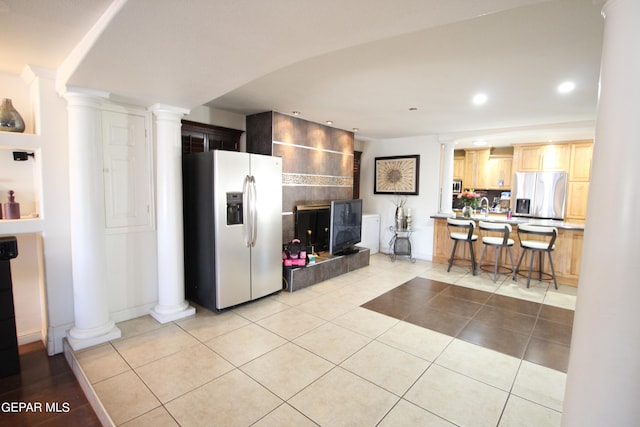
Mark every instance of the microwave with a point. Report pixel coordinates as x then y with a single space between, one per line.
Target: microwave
457 186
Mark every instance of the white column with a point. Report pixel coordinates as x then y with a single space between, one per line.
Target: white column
447 177
88 250
171 302
603 381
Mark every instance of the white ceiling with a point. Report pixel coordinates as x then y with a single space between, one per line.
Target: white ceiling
342 60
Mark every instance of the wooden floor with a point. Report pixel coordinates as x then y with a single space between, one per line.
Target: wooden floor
44 393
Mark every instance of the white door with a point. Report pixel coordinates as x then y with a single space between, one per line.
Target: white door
127 172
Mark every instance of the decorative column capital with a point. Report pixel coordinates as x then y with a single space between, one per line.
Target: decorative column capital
80 97
168 112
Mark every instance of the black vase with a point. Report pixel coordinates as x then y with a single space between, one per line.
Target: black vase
10 119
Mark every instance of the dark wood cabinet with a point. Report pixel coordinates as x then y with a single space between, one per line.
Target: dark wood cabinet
200 137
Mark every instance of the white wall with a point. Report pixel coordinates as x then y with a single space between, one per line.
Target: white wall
423 205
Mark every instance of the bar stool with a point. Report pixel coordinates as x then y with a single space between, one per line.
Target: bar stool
464 233
498 242
537 246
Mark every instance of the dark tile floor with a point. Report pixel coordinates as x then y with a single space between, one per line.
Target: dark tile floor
527 330
44 380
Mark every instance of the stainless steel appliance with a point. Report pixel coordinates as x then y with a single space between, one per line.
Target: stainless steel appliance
457 186
233 227
539 194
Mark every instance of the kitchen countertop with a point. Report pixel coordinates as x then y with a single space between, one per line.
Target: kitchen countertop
498 217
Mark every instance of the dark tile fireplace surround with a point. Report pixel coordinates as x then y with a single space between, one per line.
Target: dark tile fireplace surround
317 161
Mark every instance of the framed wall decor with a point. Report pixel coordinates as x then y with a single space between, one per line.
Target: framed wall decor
397 175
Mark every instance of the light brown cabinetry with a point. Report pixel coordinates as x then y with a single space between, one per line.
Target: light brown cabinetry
579 177
577 197
573 157
475 168
555 157
537 158
458 168
580 167
566 256
485 171
527 158
499 173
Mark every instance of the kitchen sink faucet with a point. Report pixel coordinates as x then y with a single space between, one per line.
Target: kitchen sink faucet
484 211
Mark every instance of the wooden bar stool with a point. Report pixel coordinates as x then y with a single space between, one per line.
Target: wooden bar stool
537 246
461 230
498 242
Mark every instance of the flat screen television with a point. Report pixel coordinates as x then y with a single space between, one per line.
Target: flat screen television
345 227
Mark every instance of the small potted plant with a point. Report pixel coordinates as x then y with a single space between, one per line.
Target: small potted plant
469 201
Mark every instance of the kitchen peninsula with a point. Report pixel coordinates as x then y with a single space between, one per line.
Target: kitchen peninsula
566 256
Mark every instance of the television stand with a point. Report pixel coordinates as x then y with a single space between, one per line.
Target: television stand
348 251
326 267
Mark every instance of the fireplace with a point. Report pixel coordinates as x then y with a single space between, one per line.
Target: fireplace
312 226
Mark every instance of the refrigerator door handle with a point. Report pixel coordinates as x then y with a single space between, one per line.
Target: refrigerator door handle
246 211
254 211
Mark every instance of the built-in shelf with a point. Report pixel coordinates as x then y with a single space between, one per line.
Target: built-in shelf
24 178
20 226
19 141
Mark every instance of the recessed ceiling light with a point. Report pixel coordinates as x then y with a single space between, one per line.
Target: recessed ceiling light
413 108
329 122
296 113
355 130
480 142
566 87
480 99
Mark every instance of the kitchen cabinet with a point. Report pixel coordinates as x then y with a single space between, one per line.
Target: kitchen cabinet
555 157
573 157
566 257
458 168
475 168
483 171
527 158
200 137
537 158
499 173
580 166
577 197
579 177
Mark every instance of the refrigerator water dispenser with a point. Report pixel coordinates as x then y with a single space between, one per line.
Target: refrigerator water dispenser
523 206
234 208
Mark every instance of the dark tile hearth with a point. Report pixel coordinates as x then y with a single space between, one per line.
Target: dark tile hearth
527 330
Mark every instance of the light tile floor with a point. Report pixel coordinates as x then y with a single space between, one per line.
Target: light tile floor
315 357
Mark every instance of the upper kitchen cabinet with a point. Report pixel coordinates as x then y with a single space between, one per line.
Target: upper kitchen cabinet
499 173
458 165
555 157
527 158
579 177
499 168
200 137
475 168
537 158
580 167
486 169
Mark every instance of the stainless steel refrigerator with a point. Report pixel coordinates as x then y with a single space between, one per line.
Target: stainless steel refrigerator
539 194
232 227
